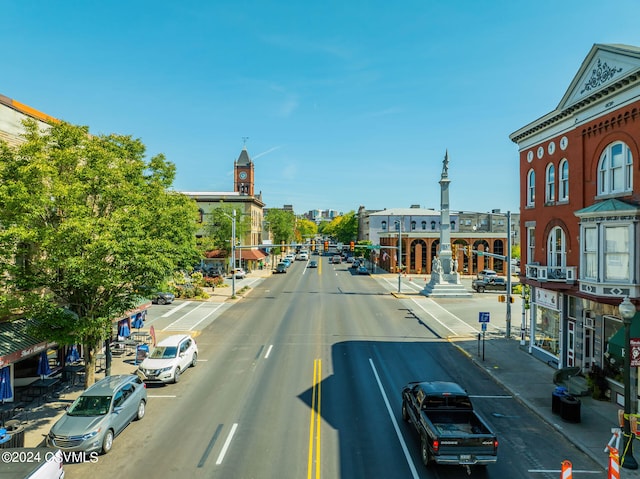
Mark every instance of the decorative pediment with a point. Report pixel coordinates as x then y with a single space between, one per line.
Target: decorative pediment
604 66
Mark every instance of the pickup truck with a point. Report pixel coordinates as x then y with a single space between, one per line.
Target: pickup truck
32 463
451 432
490 283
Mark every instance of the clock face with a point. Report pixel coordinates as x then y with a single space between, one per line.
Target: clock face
243 175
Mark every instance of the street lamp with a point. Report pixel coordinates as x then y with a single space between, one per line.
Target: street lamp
627 311
233 252
399 265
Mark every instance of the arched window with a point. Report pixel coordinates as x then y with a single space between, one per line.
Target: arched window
563 185
615 170
200 215
413 225
453 226
556 248
384 225
433 225
531 188
550 184
424 225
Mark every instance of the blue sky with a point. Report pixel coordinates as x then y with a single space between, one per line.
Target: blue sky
342 103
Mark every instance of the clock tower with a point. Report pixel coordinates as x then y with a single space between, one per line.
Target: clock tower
243 174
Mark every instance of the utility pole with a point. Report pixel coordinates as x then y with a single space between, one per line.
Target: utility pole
508 255
399 253
233 255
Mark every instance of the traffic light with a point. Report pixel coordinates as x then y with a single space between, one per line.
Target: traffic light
313 245
352 246
502 298
326 246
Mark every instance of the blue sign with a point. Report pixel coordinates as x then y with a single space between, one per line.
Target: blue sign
483 317
484 326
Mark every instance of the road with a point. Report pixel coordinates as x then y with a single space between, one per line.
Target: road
302 379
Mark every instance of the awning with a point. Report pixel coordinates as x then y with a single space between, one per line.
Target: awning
216 253
616 343
16 344
250 254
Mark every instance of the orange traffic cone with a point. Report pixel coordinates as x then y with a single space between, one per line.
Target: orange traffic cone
614 463
567 470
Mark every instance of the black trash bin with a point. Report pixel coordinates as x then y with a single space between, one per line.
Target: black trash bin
570 408
12 436
556 396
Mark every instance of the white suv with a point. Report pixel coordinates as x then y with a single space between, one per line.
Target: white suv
169 359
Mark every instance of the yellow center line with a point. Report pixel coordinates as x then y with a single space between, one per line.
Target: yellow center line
314 422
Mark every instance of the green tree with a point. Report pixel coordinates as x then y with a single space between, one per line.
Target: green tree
87 222
305 230
282 225
220 227
343 228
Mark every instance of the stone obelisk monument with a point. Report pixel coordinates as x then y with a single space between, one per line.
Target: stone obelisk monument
445 279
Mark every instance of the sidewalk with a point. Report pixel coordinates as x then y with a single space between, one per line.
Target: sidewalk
531 381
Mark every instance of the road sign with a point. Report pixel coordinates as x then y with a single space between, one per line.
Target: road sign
483 317
484 326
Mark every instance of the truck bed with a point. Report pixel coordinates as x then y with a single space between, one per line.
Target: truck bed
456 423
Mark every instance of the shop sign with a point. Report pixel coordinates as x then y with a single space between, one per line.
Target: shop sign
546 298
24 353
635 352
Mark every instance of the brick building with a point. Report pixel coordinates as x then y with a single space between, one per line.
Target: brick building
580 214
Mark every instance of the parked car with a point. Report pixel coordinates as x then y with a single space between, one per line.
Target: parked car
362 269
486 273
99 414
286 262
239 273
169 359
163 297
281 267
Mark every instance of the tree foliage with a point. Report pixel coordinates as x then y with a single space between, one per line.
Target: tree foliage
86 223
281 224
220 227
343 228
305 230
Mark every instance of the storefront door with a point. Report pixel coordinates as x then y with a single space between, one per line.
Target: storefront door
571 343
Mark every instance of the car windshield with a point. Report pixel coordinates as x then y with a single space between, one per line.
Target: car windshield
164 352
90 406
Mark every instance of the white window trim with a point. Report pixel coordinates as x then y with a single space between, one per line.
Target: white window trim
531 188
550 183
605 179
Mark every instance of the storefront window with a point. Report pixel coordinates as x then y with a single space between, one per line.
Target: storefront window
616 240
548 330
613 335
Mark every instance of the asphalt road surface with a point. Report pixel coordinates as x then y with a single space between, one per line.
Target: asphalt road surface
302 379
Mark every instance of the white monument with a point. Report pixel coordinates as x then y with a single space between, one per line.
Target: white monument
445 279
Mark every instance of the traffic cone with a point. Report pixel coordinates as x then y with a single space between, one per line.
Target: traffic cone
567 470
614 463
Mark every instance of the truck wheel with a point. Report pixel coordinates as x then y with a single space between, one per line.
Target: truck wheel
480 289
405 414
424 452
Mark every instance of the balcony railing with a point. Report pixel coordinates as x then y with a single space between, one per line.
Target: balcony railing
559 274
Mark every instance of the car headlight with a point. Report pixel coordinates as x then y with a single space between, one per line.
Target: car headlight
91 434
164 370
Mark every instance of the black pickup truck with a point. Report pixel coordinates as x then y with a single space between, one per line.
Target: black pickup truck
490 283
451 432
